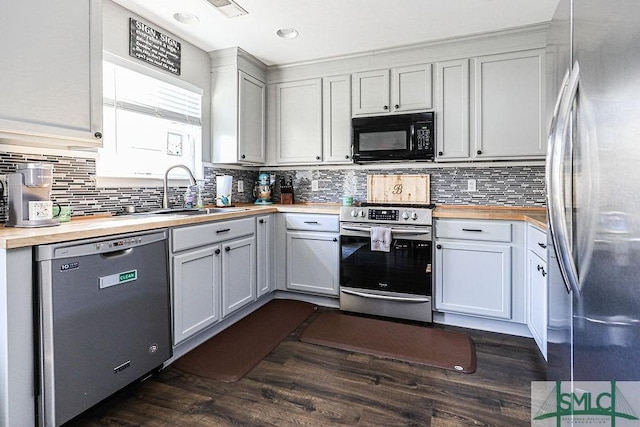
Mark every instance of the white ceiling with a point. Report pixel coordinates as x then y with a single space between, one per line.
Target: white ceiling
331 28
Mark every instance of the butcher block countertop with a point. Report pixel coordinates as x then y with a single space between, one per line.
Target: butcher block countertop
100 225
536 216
105 225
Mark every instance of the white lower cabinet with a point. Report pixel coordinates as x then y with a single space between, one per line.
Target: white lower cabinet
238 274
536 282
213 273
474 278
478 268
313 253
265 241
196 286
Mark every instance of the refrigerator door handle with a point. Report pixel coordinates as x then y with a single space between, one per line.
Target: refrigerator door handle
558 139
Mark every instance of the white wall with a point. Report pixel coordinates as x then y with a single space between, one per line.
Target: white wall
195 66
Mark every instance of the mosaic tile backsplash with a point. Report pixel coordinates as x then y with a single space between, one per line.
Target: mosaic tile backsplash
496 185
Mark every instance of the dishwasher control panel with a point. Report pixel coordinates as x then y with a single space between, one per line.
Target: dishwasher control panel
118 244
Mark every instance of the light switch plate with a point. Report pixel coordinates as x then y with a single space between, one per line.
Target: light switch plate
471 185
314 185
240 187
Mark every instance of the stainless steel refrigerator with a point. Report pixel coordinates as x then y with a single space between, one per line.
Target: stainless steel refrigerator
593 191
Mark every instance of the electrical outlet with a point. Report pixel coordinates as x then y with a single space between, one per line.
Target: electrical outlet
471 185
314 185
240 187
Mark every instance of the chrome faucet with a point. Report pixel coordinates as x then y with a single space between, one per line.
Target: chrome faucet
165 198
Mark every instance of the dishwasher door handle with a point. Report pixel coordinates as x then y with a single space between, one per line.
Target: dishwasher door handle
116 254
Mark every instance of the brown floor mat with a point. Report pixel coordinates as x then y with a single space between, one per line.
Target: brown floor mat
232 353
410 343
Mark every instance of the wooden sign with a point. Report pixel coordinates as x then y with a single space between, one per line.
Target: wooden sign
398 189
153 47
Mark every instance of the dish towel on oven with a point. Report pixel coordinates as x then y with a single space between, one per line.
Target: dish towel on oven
381 239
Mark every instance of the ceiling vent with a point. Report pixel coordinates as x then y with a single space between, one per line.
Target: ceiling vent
228 8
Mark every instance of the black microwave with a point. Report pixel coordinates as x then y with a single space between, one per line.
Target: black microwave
394 137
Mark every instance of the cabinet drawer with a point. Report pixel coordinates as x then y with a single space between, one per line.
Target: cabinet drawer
203 234
495 231
312 222
537 241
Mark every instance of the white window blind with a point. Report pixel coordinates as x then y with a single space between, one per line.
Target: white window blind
137 92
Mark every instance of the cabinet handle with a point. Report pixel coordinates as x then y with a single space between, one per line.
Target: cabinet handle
440 153
397 106
335 239
479 152
386 107
541 269
438 246
224 230
542 245
346 157
261 221
242 156
98 135
311 222
217 252
474 230
227 248
317 157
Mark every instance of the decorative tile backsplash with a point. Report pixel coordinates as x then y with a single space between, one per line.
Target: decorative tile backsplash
496 185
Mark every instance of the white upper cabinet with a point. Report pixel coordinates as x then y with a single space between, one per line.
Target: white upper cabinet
452 110
410 90
508 105
336 119
238 116
299 121
51 72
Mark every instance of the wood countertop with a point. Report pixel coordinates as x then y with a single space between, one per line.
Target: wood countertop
106 225
535 216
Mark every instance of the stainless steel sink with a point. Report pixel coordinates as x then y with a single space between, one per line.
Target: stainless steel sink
190 211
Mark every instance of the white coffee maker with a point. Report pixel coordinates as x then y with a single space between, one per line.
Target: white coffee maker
30 196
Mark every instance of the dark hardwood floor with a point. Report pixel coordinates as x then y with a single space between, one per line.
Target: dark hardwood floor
310 385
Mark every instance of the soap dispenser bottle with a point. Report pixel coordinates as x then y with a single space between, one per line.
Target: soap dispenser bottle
188 198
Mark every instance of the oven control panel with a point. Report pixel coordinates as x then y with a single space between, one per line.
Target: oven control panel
383 214
389 215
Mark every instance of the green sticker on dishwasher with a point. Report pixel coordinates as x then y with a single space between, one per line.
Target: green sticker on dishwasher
117 279
128 276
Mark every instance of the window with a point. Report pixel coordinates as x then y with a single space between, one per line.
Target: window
149 123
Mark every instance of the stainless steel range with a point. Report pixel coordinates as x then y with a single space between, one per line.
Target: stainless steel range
385 265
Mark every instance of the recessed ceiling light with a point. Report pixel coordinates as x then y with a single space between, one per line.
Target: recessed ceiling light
186 18
287 33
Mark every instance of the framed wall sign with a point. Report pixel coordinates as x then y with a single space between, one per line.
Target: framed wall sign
150 45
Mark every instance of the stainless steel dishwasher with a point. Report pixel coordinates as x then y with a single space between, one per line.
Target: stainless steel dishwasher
104 319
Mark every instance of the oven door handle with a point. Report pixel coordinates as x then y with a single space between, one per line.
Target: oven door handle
385 297
368 230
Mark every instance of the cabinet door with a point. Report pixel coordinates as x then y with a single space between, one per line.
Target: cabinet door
46 92
371 92
251 120
196 290
265 254
313 262
452 110
411 88
473 278
537 296
238 274
299 121
336 119
508 105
